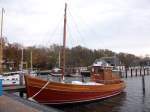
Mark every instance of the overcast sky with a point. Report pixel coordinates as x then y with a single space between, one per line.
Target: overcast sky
118 25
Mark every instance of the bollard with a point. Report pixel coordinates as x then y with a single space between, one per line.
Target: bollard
1 89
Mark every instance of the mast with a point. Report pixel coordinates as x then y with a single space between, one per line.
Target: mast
31 60
1 43
59 60
64 43
22 59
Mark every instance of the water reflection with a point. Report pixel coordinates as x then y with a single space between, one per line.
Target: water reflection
105 105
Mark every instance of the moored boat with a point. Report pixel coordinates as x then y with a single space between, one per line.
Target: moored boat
103 84
10 79
49 92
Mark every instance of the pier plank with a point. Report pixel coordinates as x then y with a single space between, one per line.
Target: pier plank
13 103
9 105
16 88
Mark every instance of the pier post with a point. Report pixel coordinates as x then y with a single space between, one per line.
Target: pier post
143 84
131 72
147 71
140 72
126 72
21 94
144 71
136 72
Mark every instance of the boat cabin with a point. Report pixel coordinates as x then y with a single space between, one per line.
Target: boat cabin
102 72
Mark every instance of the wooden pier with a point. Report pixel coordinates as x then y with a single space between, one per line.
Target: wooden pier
16 88
13 103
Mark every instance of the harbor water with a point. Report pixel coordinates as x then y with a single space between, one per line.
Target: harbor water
132 99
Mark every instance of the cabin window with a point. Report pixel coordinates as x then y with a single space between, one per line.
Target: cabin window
99 70
96 71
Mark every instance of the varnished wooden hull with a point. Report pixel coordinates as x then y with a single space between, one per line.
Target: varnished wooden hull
61 93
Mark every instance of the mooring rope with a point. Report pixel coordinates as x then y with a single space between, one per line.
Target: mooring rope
32 97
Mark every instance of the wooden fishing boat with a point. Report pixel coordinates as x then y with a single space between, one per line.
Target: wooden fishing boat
61 93
103 84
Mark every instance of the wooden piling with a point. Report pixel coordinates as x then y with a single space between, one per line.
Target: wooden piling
126 73
21 94
147 71
131 72
143 84
136 72
140 72
144 71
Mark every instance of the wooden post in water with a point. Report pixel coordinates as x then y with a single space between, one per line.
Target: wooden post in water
126 72
131 72
140 72
21 94
144 71
143 84
147 71
136 72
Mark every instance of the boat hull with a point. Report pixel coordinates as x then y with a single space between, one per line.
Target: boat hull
61 93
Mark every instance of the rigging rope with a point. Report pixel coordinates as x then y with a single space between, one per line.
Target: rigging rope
93 32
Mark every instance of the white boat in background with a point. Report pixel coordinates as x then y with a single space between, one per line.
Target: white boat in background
56 72
10 79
